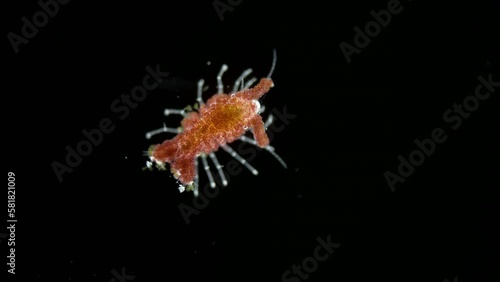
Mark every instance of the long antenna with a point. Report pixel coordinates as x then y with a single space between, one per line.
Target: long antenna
274 64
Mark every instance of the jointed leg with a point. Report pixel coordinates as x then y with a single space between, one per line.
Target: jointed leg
168 112
219 168
268 148
239 158
199 92
240 79
161 130
250 82
206 167
196 178
220 86
269 120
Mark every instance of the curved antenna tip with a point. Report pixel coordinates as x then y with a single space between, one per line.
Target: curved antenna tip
273 65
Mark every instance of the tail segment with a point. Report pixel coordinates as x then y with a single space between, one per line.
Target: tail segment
165 152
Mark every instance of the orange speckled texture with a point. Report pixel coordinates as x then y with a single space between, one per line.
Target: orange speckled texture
222 120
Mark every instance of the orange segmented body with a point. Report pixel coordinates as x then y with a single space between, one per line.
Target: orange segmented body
222 120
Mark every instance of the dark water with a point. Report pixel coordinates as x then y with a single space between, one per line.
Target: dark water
386 120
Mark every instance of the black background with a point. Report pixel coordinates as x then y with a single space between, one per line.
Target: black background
352 121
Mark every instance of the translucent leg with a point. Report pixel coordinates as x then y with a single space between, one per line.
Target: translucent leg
239 80
200 90
220 86
219 168
269 121
161 130
196 179
250 82
168 112
268 148
239 158
273 65
206 167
